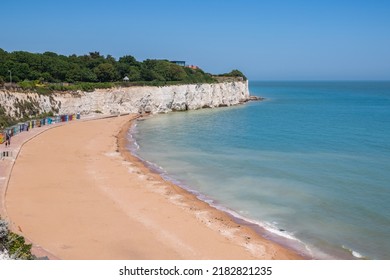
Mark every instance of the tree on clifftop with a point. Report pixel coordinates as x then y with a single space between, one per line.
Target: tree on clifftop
105 72
234 73
52 69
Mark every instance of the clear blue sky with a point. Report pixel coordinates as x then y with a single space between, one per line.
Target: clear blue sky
267 40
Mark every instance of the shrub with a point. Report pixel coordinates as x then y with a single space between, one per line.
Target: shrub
13 245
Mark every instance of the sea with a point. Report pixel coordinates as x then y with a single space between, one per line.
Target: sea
309 166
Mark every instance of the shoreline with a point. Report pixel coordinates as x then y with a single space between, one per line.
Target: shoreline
287 242
123 143
120 194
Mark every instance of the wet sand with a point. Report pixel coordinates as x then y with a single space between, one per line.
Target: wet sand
77 192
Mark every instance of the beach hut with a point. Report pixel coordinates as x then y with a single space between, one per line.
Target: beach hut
2 137
26 126
14 130
21 127
78 116
49 120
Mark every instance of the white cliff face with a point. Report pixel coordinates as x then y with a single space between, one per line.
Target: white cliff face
155 99
15 102
136 99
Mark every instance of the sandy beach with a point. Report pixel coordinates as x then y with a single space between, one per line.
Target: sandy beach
78 193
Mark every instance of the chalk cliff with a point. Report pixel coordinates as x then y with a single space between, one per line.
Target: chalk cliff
129 99
155 99
19 104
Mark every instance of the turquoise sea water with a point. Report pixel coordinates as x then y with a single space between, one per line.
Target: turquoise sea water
310 165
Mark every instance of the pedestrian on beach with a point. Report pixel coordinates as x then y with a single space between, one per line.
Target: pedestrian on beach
7 138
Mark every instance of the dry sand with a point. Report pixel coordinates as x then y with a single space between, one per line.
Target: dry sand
76 192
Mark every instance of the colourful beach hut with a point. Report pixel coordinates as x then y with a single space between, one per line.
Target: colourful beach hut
14 130
26 126
2 137
23 126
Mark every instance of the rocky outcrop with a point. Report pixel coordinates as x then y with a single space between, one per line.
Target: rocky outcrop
131 99
255 98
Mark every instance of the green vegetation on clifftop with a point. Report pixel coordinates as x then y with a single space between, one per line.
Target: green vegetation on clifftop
235 74
91 70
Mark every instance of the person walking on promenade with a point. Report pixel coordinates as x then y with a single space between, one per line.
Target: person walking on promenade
7 138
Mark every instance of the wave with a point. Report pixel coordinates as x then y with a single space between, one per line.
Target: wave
354 253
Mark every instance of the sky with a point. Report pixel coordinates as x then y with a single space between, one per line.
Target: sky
265 39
